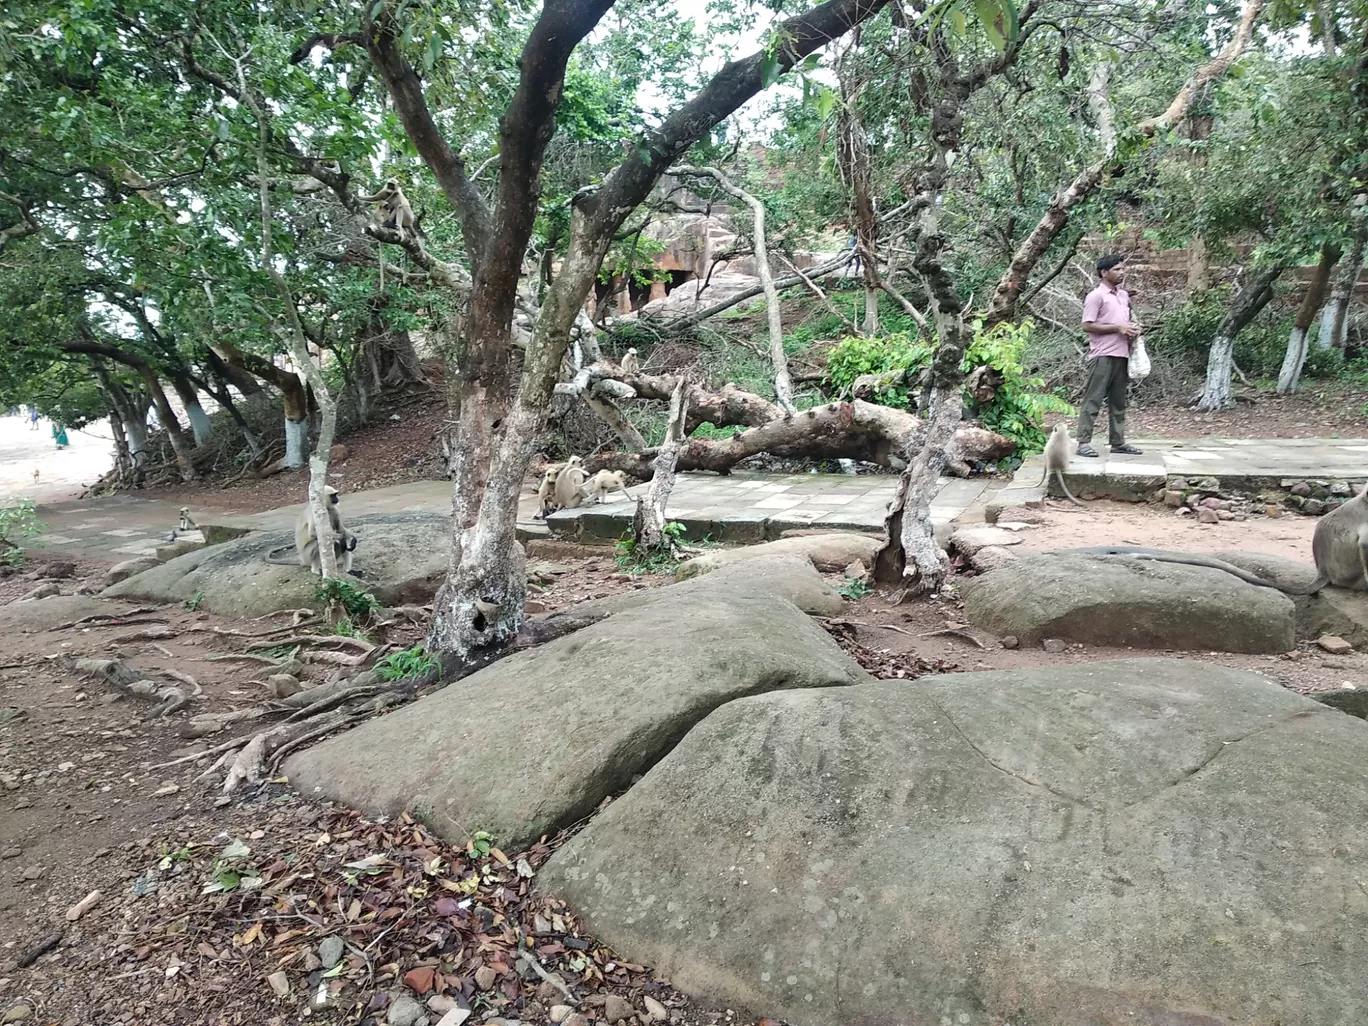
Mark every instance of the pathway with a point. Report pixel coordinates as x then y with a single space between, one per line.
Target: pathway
751 507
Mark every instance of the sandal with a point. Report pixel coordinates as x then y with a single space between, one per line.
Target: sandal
1087 450
1126 450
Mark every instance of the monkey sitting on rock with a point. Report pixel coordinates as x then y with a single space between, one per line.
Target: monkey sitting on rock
306 539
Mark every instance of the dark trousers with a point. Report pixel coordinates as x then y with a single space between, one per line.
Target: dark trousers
1107 381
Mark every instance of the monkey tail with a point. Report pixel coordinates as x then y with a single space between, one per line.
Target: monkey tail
271 557
1320 582
1060 474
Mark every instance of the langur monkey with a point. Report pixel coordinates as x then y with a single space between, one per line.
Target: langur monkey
570 491
306 538
1057 459
605 483
1340 546
394 211
546 493
630 364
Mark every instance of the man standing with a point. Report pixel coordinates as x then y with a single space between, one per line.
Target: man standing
1107 320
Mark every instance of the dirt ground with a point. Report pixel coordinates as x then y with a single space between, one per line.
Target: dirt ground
88 801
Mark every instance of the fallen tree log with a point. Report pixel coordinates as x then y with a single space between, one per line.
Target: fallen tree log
855 430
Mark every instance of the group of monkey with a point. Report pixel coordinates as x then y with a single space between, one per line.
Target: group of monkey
1339 545
568 485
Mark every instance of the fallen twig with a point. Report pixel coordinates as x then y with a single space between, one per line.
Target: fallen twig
327 727
951 632
119 618
40 949
316 639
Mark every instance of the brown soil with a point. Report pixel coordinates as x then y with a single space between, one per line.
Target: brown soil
1322 409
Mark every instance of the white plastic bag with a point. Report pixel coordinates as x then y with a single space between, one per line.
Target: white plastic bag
1139 360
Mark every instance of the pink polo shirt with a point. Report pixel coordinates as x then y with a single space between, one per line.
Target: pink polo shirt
1107 305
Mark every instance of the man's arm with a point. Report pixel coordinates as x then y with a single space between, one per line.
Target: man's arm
1104 328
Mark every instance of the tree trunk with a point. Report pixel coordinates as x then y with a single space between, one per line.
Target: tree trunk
200 427
1295 357
648 524
175 434
129 418
837 263
224 398
783 384
299 346
852 153
1334 326
236 376
294 400
1216 393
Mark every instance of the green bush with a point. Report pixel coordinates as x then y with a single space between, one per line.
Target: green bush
1323 363
411 662
359 604
901 351
17 521
1018 409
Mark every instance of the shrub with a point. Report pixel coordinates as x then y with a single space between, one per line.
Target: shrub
1016 411
17 521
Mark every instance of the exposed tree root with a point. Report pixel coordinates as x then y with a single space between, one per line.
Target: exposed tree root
129 682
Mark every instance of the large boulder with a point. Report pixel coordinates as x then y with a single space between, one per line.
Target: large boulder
832 551
1130 602
1337 611
401 557
1148 842
789 576
536 741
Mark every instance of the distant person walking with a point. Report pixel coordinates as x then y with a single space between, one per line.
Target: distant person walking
33 418
1107 320
59 435
856 265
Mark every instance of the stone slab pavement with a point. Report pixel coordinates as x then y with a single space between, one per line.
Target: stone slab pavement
1238 463
749 507
756 507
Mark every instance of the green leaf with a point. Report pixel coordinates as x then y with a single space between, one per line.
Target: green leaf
826 102
958 23
237 849
769 69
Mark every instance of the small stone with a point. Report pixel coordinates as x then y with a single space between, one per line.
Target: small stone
420 980
856 571
1334 645
617 1008
41 592
404 1011
1210 502
1173 498
65 767
1313 507
165 789
1300 488
455 1017
280 983
485 977
559 1013
1224 514
1341 488
11 853
1011 641
576 1020
441 1004
32 872
1273 511
1183 511
1053 645
1207 484
17 1013
83 906
283 685
312 962
1207 516
330 950
532 606
655 1009
548 992
24 803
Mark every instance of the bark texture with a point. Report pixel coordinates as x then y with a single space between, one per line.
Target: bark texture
1295 357
1216 393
